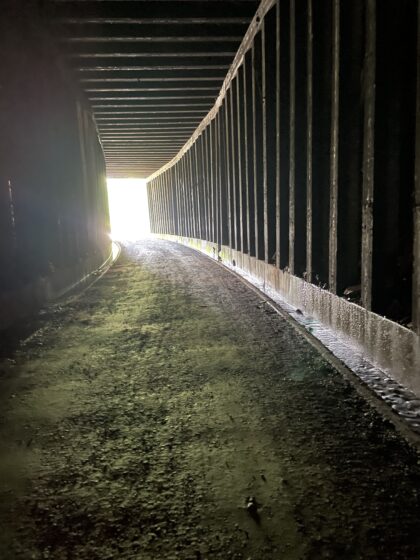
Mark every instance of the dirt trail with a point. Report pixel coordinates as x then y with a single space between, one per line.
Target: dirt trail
169 414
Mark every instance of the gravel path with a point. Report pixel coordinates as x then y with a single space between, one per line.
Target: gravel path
168 413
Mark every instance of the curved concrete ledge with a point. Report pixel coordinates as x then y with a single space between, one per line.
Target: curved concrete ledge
18 303
386 345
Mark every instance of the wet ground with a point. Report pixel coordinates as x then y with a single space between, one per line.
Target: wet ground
168 413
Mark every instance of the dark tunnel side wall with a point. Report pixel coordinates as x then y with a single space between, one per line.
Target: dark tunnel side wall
323 194
54 216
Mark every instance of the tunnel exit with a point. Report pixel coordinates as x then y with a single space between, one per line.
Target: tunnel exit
128 208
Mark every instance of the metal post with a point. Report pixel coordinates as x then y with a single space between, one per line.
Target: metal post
198 190
416 248
228 162
309 113
233 166
246 159
335 106
278 141
368 154
211 178
264 139
240 93
292 136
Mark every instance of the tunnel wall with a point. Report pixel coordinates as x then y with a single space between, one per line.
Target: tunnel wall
53 199
306 172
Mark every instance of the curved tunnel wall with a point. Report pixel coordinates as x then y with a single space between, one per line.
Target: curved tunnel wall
304 174
53 199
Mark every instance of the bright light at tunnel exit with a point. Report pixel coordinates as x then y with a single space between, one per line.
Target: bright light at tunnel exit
128 209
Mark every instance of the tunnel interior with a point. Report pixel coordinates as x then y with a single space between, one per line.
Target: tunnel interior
244 382
283 136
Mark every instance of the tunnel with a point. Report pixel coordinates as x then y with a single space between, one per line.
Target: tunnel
243 383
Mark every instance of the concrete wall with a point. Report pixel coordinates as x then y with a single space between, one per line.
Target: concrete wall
304 173
53 202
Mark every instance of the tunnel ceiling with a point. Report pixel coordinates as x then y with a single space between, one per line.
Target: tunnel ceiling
151 69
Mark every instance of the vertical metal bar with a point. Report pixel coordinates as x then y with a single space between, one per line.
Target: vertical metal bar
204 182
239 157
254 138
154 206
168 203
211 178
191 198
167 213
181 221
198 190
416 249
233 152
172 202
188 155
223 204
278 127
219 180
228 162
176 201
186 196
216 180
195 190
165 195
165 191
292 136
335 107
150 201
174 206
180 199
162 203
309 139
248 223
264 135
178 205
156 224
200 178
182 195
207 159
368 153
159 206
204 170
